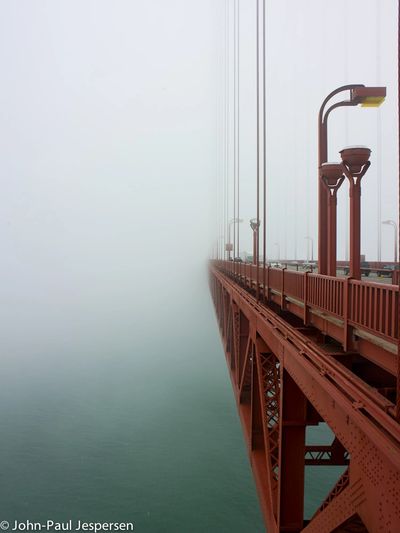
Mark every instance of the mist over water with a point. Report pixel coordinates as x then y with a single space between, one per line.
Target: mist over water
138 425
115 403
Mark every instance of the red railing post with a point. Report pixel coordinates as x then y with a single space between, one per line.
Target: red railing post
283 299
397 333
346 312
263 278
305 289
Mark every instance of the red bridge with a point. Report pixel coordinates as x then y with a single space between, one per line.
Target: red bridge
312 349
306 348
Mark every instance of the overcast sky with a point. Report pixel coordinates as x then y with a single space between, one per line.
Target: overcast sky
108 161
111 141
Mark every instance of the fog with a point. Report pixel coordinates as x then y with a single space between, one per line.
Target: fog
115 402
112 146
313 47
107 134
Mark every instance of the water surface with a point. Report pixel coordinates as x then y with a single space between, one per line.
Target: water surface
137 426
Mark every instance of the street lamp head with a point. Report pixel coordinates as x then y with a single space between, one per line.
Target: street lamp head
254 224
368 96
355 158
332 175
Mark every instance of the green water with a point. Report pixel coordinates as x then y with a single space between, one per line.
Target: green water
138 427
143 431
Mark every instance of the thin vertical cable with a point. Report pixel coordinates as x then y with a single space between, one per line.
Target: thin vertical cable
378 134
238 123
234 133
217 151
226 221
222 140
398 225
224 144
264 153
346 135
217 169
258 147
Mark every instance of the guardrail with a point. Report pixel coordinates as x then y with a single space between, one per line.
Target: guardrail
366 305
374 307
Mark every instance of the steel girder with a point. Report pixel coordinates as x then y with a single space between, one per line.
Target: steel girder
280 378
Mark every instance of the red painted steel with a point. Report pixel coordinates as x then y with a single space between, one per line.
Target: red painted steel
289 372
326 294
371 306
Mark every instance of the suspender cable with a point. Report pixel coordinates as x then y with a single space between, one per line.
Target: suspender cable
346 135
234 134
257 250
238 124
378 134
222 206
236 219
398 140
222 186
217 153
226 215
264 155
222 140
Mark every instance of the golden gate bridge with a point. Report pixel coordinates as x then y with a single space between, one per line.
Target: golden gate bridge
308 347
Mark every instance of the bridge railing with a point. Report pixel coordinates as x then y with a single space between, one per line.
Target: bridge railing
292 281
365 305
374 307
326 293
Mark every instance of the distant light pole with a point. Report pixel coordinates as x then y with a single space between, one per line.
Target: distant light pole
394 226
279 250
359 95
355 165
310 239
233 221
255 224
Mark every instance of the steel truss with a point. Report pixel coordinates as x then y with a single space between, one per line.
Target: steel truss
283 382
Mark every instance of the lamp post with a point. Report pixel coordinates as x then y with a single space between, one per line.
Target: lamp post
233 221
255 224
331 174
355 165
310 239
394 226
359 95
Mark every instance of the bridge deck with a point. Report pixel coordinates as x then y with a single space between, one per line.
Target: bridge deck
361 316
293 365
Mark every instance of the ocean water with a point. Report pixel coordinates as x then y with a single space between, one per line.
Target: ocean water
139 428
137 424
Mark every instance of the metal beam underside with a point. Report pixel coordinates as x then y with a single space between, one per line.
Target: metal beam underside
276 371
